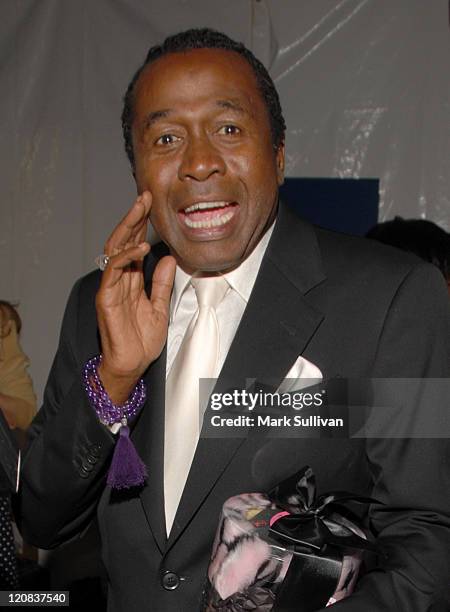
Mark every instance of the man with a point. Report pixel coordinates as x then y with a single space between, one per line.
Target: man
205 136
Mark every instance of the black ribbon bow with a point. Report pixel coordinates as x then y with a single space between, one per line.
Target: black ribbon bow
315 522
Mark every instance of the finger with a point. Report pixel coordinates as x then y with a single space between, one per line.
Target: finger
141 230
118 263
139 233
162 284
131 225
138 236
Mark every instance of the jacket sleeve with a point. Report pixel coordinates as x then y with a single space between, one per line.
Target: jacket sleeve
64 467
411 474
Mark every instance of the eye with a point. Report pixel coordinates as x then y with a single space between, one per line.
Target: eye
167 139
229 130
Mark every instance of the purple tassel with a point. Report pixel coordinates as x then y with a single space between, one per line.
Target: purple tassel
127 469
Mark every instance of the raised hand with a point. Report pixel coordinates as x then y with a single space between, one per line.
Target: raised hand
133 328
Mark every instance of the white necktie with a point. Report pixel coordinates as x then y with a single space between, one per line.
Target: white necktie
197 358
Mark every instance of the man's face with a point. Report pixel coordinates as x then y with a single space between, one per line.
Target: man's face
203 148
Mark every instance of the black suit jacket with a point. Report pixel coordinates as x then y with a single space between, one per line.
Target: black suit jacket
353 308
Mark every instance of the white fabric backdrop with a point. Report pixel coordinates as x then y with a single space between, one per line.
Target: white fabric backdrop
363 83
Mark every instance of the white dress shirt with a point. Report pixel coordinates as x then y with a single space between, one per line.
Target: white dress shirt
183 305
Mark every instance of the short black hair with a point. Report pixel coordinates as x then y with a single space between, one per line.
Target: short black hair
424 238
206 38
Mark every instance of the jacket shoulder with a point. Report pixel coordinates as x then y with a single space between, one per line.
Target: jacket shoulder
342 252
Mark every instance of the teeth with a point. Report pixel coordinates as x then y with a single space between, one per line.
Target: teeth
205 206
210 223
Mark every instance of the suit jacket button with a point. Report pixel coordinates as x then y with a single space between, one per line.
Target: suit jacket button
170 581
83 472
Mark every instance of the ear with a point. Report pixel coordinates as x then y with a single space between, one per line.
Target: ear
279 159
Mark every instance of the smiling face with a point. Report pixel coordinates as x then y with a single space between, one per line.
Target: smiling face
203 148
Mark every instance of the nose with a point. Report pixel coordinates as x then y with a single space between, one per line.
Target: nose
200 160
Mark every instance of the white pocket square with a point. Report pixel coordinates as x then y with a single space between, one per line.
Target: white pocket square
302 374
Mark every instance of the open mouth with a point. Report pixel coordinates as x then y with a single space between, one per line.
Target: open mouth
207 215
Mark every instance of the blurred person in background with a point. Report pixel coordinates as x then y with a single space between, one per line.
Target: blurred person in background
18 405
17 398
423 238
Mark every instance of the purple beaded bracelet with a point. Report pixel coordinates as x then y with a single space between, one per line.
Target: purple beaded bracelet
127 469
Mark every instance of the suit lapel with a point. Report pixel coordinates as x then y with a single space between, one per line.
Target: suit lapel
148 434
148 437
275 329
